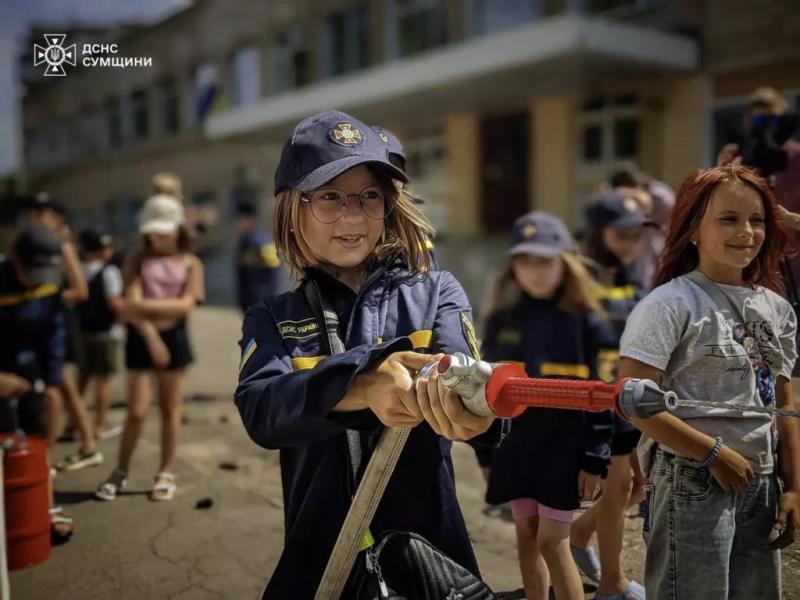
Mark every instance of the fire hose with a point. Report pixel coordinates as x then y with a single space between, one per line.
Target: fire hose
501 390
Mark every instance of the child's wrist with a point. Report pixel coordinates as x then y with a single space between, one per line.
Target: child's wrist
714 453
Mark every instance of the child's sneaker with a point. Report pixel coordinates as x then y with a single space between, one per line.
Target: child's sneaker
109 432
81 460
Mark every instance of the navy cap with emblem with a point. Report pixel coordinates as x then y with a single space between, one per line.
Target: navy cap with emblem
540 233
612 209
39 252
394 145
326 145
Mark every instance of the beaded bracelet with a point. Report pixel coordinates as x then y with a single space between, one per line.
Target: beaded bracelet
712 456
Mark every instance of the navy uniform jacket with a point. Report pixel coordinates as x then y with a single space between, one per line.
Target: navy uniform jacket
547 448
287 390
618 294
257 265
32 322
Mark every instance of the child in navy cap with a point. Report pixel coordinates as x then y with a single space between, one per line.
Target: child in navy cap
544 314
355 244
615 240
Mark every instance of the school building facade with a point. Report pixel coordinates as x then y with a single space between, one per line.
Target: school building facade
503 106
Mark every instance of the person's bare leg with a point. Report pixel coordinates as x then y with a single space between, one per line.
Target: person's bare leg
138 404
83 382
77 407
535 577
102 392
170 393
553 542
611 525
53 413
584 527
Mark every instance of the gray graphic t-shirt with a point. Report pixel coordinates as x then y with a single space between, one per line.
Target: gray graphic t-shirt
678 329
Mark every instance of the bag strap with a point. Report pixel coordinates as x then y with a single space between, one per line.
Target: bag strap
376 475
334 345
732 314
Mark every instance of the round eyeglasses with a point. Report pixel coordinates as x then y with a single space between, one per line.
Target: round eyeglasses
328 205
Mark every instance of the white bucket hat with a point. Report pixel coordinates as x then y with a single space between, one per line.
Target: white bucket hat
162 214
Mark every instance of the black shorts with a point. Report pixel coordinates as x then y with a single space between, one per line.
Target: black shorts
137 356
625 437
29 415
73 349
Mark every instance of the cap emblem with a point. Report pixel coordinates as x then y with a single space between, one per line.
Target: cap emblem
529 231
344 135
383 137
630 204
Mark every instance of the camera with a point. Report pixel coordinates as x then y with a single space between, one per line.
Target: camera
763 148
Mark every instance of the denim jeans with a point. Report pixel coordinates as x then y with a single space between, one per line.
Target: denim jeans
704 543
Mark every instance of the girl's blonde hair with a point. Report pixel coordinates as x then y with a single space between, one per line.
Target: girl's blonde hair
167 183
578 290
405 229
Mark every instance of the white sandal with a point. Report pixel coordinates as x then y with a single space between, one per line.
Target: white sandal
112 486
165 487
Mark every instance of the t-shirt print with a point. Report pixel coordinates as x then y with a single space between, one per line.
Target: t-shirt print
756 339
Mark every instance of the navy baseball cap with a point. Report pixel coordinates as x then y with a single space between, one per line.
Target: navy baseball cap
612 209
39 252
392 142
540 233
45 201
326 145
92 240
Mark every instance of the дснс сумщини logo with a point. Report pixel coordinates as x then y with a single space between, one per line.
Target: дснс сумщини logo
54 55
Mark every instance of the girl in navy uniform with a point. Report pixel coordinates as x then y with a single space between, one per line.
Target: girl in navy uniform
615 240
552 458
346 231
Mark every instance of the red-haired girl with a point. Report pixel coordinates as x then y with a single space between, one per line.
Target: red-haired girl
713 500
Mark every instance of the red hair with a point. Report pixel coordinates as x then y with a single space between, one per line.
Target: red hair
680 255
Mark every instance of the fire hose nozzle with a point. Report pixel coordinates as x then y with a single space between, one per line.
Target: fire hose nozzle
642 399
467 377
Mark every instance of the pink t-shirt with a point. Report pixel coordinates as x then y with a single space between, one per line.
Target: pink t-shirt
165 276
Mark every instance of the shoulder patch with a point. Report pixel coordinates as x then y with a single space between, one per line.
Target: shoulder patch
469 335
247 353
298 330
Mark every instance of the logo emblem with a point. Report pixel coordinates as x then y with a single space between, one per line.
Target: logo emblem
383 137
630 204
529 231
454 595
54 55
344 135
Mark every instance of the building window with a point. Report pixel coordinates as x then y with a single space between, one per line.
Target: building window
346 42
626 138
610 128
608 138
245 76
487 16
420 25
113 112
291 64
592 142
169 107
140 112
206 90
